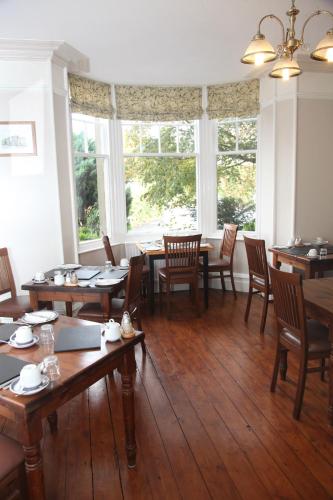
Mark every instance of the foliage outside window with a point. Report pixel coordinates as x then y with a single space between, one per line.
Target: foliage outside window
89 144
236 173
160 176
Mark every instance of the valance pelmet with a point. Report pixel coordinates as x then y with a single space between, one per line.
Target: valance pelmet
90 97
158 103
230 100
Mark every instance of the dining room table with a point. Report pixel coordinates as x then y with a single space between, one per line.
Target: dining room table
318 299
79 370
296 256
44 294
156 251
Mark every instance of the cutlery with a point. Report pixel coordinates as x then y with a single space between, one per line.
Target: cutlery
4 341
7 384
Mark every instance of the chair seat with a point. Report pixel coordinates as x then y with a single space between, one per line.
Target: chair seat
15 307
11 455
175 276
216 265
318 337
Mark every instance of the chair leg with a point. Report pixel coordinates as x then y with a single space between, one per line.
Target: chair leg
233 283
168 299
283 363
300 388
222 281
276 367
322 369
160 292
196 298
248 305
264 314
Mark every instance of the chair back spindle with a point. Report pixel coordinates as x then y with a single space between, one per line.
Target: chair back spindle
257 258
108 250
133 286
182 253
228 241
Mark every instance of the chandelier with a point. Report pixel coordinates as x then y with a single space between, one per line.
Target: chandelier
260 50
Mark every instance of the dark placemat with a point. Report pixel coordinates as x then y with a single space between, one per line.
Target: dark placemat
10 367
302 251
78 338
7 330
116 274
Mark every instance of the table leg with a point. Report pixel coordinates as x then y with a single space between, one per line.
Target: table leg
151 284
205 277
330 379
105 301
127 370
69 309
32 434
33 300
276 263
53 422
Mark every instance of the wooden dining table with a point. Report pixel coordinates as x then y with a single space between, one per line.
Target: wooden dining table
318 297
157 252
78 371
296 257
48 292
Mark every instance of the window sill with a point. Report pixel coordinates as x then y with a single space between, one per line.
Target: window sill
92 245
240 234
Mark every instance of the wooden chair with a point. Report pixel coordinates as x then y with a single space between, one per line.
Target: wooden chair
308 339
110 257
182 265
17 305
131 302
258 276
224 262
12 470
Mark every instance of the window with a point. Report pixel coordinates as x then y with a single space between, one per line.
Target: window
160 174
90 174
236 173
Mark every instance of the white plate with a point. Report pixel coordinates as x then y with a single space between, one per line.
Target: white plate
107 282
319 243
21 391
123 268
12 342
38 282
40 317
68 267
84 283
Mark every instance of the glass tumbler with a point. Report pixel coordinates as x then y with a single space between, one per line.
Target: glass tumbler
323 253
108 266
46 340
51 367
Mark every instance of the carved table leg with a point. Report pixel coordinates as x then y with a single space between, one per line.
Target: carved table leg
330 380
69 309
32 434
127 369
53 422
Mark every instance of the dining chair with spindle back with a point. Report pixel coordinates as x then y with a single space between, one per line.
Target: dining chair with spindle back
92 311
308 339
181 266
258 276
16 305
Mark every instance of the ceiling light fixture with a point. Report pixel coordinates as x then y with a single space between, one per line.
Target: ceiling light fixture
260 50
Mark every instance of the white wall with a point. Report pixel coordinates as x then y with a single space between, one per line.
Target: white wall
29 200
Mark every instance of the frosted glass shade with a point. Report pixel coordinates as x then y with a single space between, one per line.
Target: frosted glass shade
285 68
259 51
324 49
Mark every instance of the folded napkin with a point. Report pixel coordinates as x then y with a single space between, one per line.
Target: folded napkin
38 316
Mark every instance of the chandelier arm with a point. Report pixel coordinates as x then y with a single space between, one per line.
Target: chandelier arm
314 14
272 16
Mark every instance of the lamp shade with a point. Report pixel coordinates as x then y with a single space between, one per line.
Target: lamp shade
285 68
259 51
324 49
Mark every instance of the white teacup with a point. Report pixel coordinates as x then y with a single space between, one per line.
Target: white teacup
319 239
112 331
59 279
39 276
124 262
23 335
30 376
312 252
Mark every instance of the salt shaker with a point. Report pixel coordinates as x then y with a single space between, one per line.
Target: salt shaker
126 326
74 280
68 279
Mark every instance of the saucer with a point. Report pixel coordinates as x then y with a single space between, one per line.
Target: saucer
84 283
107 282
319 243
39 282
25 391
32 342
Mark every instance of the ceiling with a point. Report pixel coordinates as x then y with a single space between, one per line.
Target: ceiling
157 41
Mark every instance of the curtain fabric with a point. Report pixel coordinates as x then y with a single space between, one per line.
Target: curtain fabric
90 97
158 103
233 100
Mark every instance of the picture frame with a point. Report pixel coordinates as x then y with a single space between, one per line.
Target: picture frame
18 138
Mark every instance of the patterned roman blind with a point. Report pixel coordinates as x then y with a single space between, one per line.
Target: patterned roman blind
158 103
236 100
90 97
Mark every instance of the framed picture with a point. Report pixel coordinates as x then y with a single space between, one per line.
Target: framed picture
18 139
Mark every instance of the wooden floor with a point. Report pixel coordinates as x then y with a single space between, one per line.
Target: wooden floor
207 424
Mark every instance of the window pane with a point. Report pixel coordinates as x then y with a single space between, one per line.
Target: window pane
226 136
84 136
149 138
247 138
168 137
236 183
186 139
160 194
131 138
90 196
